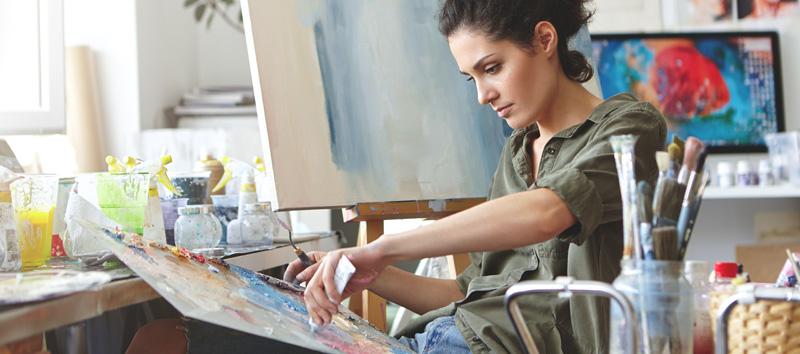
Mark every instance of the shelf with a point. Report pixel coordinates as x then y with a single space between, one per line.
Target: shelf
784 191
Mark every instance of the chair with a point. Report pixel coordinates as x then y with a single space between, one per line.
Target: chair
565 287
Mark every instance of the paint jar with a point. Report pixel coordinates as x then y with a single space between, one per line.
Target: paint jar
123 198
744 175
765 177
215 169
169 209
193 186
226 209
197 227
725 176
34 200
663 301
259 224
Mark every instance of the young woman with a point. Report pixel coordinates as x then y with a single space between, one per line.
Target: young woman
554 206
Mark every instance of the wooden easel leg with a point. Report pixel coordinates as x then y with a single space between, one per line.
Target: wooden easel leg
356 300
457 263
374 306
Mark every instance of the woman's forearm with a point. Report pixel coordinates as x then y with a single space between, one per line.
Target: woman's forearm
512 221
403 288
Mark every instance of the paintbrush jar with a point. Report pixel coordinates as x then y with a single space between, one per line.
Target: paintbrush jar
663 301
197 228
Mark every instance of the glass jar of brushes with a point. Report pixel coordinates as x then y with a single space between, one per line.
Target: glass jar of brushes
197 228
663 301
257 226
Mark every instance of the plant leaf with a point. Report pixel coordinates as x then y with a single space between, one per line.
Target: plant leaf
188 3
199 11
208 22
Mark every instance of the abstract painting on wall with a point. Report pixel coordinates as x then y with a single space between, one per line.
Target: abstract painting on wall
361 101
724 88
233 297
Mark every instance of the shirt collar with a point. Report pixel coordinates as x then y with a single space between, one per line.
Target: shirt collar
600 112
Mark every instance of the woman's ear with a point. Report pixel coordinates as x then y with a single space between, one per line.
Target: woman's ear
545 38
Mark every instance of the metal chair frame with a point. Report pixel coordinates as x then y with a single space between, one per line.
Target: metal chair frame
565 287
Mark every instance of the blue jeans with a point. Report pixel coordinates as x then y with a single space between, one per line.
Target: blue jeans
440 337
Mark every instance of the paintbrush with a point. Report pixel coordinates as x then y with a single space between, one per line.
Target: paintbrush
681 145
667 203
691 152
696 164
675 154
695 210
643 207
664 241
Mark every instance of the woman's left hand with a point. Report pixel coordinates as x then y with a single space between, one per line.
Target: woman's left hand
321 297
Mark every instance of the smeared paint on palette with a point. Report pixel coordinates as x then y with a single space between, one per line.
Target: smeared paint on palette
240 299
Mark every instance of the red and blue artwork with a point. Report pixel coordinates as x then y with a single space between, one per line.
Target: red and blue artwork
719 88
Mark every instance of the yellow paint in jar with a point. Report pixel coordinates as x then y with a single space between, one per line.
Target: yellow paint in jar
35 235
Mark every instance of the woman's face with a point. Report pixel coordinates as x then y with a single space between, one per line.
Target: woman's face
517 83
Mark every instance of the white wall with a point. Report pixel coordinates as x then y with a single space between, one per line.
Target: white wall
167 54
109 28
721 224
222 54
148 53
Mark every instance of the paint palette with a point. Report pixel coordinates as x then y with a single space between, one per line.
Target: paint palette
240 299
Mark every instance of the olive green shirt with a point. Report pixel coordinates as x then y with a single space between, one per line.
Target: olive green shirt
578 165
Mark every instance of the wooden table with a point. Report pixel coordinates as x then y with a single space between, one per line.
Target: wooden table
28 320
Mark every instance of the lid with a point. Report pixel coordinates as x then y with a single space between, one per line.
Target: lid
194 209
742 166
690 267
764 166
724 167
726 269
258 207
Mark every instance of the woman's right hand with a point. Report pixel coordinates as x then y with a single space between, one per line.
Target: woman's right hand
297 271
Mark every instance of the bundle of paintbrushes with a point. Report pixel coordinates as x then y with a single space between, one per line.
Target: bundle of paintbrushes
676 199
658 221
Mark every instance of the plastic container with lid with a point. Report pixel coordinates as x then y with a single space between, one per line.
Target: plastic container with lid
259 224
765 177
197 227
725 176
725 272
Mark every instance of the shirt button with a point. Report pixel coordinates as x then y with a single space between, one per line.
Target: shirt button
551 151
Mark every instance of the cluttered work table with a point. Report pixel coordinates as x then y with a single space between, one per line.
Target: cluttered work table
126 289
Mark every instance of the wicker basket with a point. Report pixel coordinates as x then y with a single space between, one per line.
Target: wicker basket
762 327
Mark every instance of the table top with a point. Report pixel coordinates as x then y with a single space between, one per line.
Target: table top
23 321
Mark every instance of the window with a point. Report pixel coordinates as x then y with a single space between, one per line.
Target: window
31 66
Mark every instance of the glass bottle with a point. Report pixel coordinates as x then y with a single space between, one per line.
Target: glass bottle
259 224
697 275
197 228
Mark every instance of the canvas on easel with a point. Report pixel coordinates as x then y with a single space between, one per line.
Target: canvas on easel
361 102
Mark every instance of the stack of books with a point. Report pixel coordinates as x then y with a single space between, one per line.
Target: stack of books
215 102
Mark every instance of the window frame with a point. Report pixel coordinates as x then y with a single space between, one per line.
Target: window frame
50 117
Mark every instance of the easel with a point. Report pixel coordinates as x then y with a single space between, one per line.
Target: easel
367 304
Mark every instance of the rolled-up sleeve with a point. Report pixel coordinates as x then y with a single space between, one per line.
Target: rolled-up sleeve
588 185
